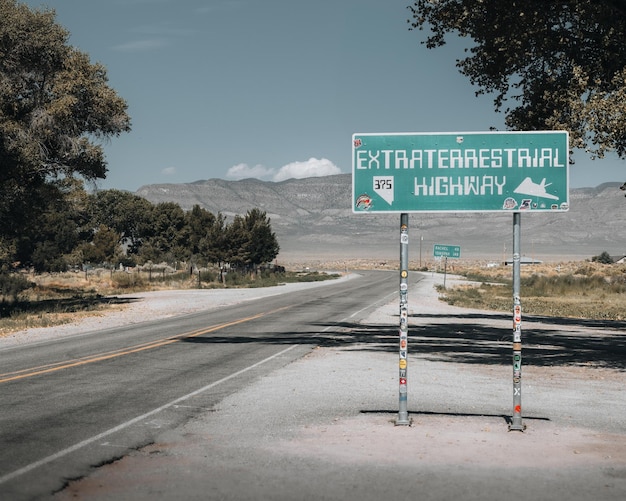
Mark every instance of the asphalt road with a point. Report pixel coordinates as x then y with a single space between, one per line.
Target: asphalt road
85 400
323 426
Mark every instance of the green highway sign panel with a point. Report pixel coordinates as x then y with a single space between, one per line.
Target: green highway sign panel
460 172
440 250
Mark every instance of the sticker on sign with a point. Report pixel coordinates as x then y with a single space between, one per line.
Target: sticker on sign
383 187
460 172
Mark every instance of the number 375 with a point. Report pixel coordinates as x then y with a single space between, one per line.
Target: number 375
382 184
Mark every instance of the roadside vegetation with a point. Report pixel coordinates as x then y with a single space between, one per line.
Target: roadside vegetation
44 300
589 290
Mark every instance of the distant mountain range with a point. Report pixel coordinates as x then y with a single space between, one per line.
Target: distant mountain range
313 220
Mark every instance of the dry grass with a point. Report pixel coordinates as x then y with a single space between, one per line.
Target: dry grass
573 290
578 289
60 298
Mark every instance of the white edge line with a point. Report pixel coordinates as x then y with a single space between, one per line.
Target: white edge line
120 427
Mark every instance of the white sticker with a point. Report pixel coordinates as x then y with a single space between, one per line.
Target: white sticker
383 187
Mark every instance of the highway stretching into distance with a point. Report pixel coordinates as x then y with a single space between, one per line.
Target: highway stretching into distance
77 402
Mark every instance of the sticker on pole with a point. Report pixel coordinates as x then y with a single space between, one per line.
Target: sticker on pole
383 187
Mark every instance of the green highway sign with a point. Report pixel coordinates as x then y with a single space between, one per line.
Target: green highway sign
440 250
460 172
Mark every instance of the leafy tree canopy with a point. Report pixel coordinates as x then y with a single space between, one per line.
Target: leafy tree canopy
556 64
250 239
262 244
56 108
124 212
604 258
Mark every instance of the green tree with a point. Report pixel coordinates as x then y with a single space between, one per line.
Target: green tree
557 64
235 240
262 245
199 222
104 249
127 214
213 247
167 239
250 240
603 258
56 239
52 233
56 109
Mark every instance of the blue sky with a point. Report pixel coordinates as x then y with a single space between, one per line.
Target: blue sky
272 88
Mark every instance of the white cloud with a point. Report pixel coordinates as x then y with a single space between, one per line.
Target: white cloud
243 171
169 171
313 167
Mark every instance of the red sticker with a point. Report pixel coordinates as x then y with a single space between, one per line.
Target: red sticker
518 409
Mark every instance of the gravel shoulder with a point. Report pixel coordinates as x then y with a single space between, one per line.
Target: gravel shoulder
143 306
323 426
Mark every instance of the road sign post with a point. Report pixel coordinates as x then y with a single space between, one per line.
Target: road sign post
461 172
516 421
403 413
446 251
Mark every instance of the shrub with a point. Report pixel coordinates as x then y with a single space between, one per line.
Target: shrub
603 258
11 285
127 280
209 276
234 278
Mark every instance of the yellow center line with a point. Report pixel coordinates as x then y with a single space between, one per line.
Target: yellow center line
67 364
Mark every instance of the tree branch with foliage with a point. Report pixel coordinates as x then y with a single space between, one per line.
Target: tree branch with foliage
56 109
552 65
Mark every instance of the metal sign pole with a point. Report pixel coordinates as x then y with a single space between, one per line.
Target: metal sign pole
403 413
516 421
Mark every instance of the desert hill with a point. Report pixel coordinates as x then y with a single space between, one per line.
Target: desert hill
313 219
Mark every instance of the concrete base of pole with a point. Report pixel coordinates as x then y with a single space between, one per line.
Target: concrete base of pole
403 420
517 427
